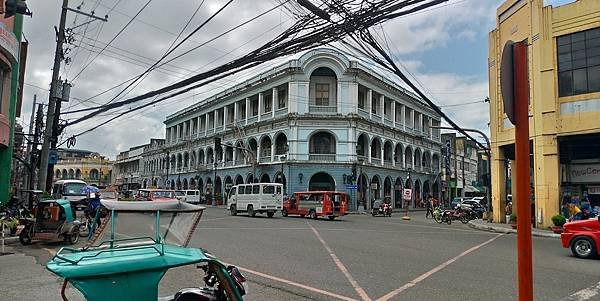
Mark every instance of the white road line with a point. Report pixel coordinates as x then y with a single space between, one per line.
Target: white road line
361 292
584 294
434 227
296 284
214 219
434 270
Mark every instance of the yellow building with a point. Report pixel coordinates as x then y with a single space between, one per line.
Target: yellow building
564 73
83 165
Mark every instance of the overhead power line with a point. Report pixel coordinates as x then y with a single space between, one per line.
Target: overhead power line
111 40
305 34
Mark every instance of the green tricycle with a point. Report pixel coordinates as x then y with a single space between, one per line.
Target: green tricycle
128 263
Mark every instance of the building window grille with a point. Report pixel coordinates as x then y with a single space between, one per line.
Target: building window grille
322 94
578 57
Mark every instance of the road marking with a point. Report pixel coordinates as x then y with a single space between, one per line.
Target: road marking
434 270
361 292
296 284
584 294
213 219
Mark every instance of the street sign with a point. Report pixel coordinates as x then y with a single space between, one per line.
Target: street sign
352 187
209 185
407 194
228 185
507 81
374 186
53 157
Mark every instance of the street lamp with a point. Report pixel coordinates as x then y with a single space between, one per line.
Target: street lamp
406 217
488 153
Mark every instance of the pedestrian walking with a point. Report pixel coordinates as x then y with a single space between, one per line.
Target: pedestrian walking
429 206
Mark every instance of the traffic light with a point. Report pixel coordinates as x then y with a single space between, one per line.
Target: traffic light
217 142
13 7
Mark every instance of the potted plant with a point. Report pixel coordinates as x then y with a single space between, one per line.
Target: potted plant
513 220
558 221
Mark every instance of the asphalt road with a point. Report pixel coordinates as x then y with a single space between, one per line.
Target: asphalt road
360 257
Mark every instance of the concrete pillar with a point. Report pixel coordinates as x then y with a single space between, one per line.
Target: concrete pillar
214 113
272 150
236 110
394 115
274 100
546 179
412 119
382 108
258 151
260 104
498 178
247 110
403 112
206 117
198 123
370 106
224 119
369 150
382 156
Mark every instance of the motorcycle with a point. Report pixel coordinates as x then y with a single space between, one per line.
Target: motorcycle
442 216
459 214
381 208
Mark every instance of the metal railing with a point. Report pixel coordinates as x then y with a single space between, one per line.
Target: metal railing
321 157
389 122
322 109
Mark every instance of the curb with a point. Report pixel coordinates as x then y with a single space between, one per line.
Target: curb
497 229
10 240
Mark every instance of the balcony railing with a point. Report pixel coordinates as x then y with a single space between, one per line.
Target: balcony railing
210 132
388 121
228 163
218 128
388 162
363 113
281 112
322 109
321 157
239 162
362 158
252 119
266 115
264 159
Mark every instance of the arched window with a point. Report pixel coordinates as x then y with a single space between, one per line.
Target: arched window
94 175
322 147
323 91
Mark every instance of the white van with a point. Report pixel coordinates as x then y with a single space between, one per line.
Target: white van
190 196
69 190
257 197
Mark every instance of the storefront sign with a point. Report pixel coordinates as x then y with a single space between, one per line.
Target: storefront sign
9 45
584 173
593 189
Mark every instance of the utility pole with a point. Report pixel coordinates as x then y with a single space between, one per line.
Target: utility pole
59 91
50 119
27 181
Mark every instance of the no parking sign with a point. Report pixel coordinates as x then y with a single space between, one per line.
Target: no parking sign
407 194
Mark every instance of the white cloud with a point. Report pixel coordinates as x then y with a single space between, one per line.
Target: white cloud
154 30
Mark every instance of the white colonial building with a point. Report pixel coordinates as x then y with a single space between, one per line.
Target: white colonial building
323 121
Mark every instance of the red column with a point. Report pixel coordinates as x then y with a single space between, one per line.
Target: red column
521 109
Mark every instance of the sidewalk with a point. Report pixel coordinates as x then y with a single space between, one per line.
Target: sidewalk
22 278
506 228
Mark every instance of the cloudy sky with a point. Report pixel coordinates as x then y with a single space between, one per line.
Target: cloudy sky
444 48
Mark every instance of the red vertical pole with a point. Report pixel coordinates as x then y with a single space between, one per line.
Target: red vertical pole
521 112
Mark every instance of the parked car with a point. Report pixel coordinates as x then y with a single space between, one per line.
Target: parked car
457 201
155 195
582 237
